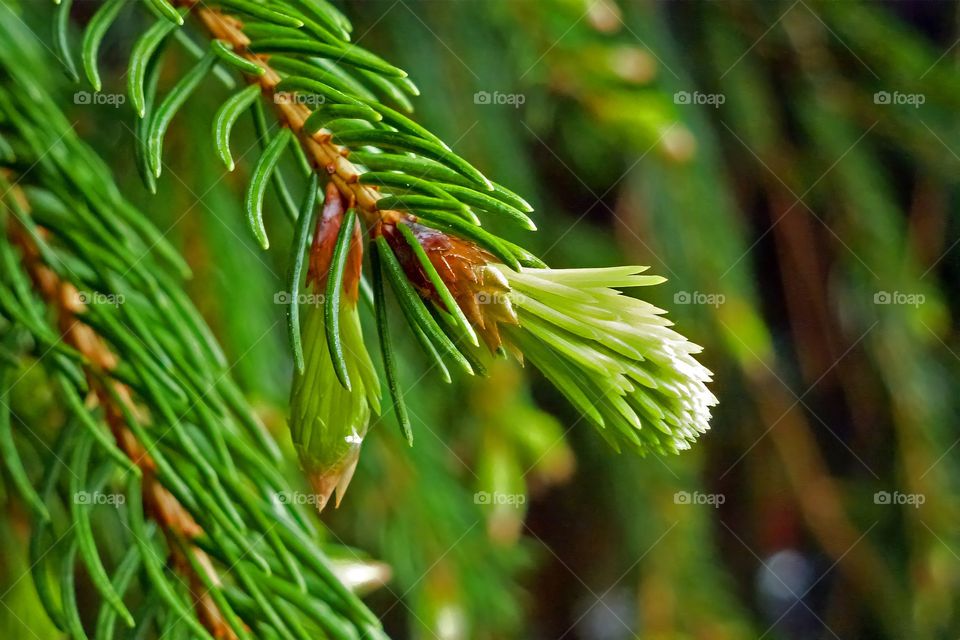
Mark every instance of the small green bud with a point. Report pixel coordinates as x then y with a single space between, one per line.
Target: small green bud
328 421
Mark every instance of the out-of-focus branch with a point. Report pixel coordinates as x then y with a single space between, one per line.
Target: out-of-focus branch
174 520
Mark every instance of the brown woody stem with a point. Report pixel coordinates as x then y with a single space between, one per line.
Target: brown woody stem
328 158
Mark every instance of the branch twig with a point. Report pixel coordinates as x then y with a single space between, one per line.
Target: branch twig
327 157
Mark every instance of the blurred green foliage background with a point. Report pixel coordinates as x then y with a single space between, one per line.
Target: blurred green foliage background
791 168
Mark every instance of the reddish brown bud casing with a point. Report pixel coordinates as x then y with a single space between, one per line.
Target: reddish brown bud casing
324 240
462 265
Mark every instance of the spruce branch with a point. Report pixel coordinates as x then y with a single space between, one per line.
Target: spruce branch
116 400
154 418
326 156
422 207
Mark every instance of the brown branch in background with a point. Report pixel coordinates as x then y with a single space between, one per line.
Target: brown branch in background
917 456
814 490
174 520
820 498
927 220
804 275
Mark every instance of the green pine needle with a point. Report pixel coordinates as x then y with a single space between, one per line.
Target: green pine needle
387 351
226 117
258 185
93 36
298 254
334 291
